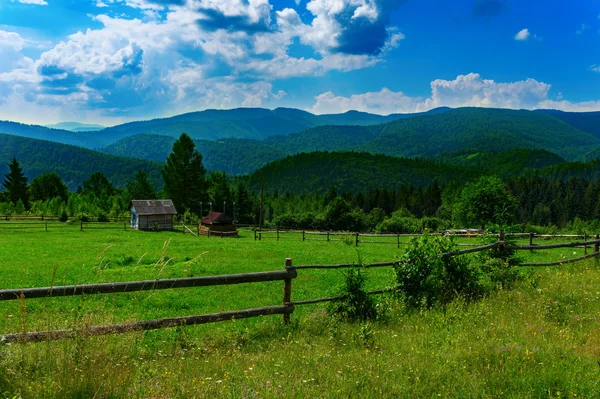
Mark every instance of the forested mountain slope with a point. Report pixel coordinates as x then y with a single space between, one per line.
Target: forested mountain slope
73 164
588 122
352 172
481 129
505 163
233 156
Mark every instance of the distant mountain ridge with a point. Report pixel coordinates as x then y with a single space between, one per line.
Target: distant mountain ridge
480 130
76 126
246 123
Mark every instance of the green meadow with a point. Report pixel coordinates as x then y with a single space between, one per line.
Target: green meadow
540 339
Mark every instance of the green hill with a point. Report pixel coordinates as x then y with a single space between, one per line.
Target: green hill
352 172
480 129
73 164
233 156
588 122
506 163
248 123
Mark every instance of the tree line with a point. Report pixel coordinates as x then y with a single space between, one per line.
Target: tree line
531 200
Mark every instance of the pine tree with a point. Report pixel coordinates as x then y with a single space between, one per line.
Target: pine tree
184 176
141 188
15 184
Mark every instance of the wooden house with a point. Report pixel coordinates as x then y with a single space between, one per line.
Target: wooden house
152 214
218 224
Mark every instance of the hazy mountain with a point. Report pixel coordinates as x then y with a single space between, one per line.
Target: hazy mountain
82 139
76 127
73 164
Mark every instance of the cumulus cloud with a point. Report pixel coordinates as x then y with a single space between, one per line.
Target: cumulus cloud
595 68
195 53
523 35
464 91
383 102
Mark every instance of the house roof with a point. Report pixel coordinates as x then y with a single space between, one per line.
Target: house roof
217 218
153 207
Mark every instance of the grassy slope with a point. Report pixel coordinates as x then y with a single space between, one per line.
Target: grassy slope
539 340
73 164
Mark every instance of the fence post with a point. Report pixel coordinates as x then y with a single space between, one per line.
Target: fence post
302 235
356 240
287 290
531 239
81 227
501 239
327 236
398 240
585 238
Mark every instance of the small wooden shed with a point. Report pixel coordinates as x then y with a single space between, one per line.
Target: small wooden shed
218 224
152 214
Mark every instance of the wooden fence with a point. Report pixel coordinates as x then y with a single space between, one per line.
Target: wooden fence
394 239
286 308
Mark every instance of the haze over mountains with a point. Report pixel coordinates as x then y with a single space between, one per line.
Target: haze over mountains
248 140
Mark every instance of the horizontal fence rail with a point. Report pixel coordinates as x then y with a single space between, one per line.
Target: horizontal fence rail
145 325
146 285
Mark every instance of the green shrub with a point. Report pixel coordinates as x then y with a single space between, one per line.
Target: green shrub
425 278
355 304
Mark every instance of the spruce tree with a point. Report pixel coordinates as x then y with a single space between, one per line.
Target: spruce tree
141 188
184 176
15 184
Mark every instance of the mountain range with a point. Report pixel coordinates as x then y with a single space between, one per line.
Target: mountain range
265 143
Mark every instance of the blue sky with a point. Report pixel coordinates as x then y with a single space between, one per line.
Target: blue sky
111 61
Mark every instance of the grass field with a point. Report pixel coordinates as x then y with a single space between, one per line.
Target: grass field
541 339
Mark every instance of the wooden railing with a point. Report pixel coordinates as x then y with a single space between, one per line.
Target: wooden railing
286 309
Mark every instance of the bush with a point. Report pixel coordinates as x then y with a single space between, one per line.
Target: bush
355 304
103 218
426 279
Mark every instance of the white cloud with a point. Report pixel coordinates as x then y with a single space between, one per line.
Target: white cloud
36 2
383 102
523 35
595 68
187 55
464 91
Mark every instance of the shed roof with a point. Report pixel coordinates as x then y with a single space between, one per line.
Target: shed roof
153 207
217 218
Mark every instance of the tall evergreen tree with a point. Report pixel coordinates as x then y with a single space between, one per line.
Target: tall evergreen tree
15 184
184 175
140 188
